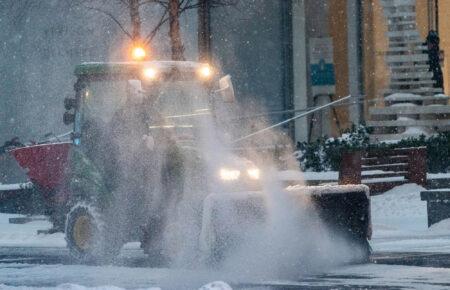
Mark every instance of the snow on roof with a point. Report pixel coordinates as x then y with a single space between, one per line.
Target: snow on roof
124 67
15 186
410 97
329 189
403 97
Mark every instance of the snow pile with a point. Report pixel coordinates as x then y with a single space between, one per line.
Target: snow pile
218 285
294 175
399 219
15 186
401 97
398 211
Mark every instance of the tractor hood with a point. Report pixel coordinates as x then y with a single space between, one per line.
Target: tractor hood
134 69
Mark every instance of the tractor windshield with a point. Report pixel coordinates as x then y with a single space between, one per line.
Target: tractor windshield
176 106
181 103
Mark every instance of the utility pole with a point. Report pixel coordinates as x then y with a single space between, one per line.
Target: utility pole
354 57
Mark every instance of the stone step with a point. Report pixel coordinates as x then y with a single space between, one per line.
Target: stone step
391 11
406 49
407 58
421 83
414 98
409 123
406 43
411 75
418 91
404 33
401 15
391 137
402 23
410 110
410 67
395 3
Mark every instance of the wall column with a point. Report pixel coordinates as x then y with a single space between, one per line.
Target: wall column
354 57
299 67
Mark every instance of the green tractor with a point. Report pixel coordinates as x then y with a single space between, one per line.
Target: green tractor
147 161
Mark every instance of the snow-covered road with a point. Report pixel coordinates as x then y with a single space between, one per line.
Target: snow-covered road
401 240
373 276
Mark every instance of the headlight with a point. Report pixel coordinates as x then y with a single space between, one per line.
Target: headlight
150 73
229 174
205 72
253 173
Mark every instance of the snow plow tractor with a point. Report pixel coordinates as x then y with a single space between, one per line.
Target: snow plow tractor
145 163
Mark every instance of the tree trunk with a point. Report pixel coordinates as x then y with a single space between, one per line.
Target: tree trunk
174 30
204 31
135 20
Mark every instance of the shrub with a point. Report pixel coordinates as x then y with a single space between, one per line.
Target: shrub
325 153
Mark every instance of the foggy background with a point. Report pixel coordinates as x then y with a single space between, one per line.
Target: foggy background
42 41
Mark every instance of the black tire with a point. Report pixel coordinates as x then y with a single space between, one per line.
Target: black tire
88 238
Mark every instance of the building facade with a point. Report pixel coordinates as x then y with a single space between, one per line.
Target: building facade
272 49
284 56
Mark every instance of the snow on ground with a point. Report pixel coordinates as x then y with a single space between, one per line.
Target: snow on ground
399 220
25 235
68 287
19 276
59 277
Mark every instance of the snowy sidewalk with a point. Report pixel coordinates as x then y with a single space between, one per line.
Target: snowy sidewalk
25 235
399 220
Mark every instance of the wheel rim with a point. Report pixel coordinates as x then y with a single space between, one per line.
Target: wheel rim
82 232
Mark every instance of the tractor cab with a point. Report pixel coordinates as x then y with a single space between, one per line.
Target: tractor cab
166 96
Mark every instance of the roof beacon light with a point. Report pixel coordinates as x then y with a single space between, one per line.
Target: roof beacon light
138 53
205 71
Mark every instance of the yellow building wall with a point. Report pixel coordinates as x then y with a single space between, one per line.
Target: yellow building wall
375 44
422 17
444 33
338 32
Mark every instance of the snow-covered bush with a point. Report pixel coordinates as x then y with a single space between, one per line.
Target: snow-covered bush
325 154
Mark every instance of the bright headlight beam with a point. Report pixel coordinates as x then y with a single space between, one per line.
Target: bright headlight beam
254 173
205 72
229 174
150 73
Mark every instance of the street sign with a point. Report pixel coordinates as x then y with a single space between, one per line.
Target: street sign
323 78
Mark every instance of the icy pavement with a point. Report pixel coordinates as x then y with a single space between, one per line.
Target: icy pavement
32 261
26 276
399 221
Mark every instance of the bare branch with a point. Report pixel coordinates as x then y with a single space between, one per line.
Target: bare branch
113 18
153 33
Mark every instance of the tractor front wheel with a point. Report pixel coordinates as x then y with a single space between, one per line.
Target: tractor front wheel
87 236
